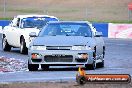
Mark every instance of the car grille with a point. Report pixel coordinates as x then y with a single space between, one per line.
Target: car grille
36 60
58 58
58 48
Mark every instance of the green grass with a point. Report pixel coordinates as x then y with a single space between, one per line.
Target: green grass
5 18
98 21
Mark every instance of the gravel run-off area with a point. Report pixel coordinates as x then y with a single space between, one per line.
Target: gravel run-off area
12 65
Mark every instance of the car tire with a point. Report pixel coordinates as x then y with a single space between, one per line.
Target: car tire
33 67
5 45
23 48
103 51
44 67
101 64
91 66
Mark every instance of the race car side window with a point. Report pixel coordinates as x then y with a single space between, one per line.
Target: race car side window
14 22
11 24
18 22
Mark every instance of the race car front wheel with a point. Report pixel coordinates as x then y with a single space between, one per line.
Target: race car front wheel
91 66
101 64
33 67
23 48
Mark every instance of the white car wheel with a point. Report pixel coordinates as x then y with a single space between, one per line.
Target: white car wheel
23 48
5 45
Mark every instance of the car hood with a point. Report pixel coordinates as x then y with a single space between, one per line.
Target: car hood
29 30
62 40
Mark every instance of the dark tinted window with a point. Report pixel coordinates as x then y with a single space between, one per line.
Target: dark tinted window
68 29
39 22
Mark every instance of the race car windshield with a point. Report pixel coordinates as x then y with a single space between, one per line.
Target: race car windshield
67 29
36 22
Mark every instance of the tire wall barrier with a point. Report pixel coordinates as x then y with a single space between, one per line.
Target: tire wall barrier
120 30
110 30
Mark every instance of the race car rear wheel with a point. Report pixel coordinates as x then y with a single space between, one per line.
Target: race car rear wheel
5 45
23 48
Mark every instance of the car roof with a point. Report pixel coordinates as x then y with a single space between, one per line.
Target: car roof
69 22
34 15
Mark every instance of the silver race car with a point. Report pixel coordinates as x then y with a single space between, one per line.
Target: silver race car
66 43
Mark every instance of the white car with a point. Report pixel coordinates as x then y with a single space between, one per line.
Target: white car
16 34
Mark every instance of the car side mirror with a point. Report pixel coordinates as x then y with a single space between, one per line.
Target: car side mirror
98 34
33 34
13 25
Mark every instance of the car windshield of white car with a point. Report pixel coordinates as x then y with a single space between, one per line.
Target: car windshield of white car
67 29
36 22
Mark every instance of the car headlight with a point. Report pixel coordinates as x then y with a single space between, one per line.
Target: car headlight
83 55
36 56
80 48
38 48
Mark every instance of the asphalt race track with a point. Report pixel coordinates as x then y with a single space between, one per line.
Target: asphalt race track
118 60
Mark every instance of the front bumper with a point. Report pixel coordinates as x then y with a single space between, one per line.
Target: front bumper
61 57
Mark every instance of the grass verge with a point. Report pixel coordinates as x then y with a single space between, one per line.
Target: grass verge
98 21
